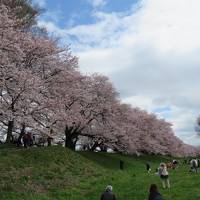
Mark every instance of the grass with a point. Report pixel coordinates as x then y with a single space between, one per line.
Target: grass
56 173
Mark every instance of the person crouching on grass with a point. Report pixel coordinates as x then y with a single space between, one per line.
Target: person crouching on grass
164 175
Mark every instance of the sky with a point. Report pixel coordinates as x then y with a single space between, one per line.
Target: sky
150 50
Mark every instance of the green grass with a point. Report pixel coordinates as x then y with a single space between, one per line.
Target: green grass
56 173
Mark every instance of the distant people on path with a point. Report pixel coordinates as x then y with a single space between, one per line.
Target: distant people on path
50 138
108 194
154 193
164 175
27 139
148 168
30 139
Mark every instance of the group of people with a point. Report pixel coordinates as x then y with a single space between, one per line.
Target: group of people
154 194
153 191
162 171
29 139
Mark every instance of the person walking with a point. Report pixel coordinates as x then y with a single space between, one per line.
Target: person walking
154 193
108 194
164 175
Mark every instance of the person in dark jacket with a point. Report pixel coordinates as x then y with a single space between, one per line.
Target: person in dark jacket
108 194
148 168
154 194
25 139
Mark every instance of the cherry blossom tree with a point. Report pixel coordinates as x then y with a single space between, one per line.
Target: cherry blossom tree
42 89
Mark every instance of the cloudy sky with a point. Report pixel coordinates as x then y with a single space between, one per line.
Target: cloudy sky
150 49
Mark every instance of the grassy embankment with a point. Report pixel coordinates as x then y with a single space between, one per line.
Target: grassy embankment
57 173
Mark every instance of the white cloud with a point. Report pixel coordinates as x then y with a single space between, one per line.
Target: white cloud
97 3
151 55
52 28
41 3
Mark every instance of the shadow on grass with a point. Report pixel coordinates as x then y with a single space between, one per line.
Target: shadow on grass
112 160
106 160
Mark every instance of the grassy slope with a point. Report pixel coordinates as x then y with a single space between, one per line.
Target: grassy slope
58 173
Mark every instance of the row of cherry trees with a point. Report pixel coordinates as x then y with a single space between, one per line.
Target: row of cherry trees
41 89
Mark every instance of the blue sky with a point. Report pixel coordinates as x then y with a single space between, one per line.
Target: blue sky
66 14
81 11
148 48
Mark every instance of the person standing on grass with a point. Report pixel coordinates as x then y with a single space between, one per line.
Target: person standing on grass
25 139
154 193
148 168
164 175
108 194
194 165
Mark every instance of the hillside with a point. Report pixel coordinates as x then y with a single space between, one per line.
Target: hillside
58 173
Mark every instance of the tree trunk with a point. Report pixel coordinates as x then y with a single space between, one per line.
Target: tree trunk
70 138
19 142
70 144
49 140
9 137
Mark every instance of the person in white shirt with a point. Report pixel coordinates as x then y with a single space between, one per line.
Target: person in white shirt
164 175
